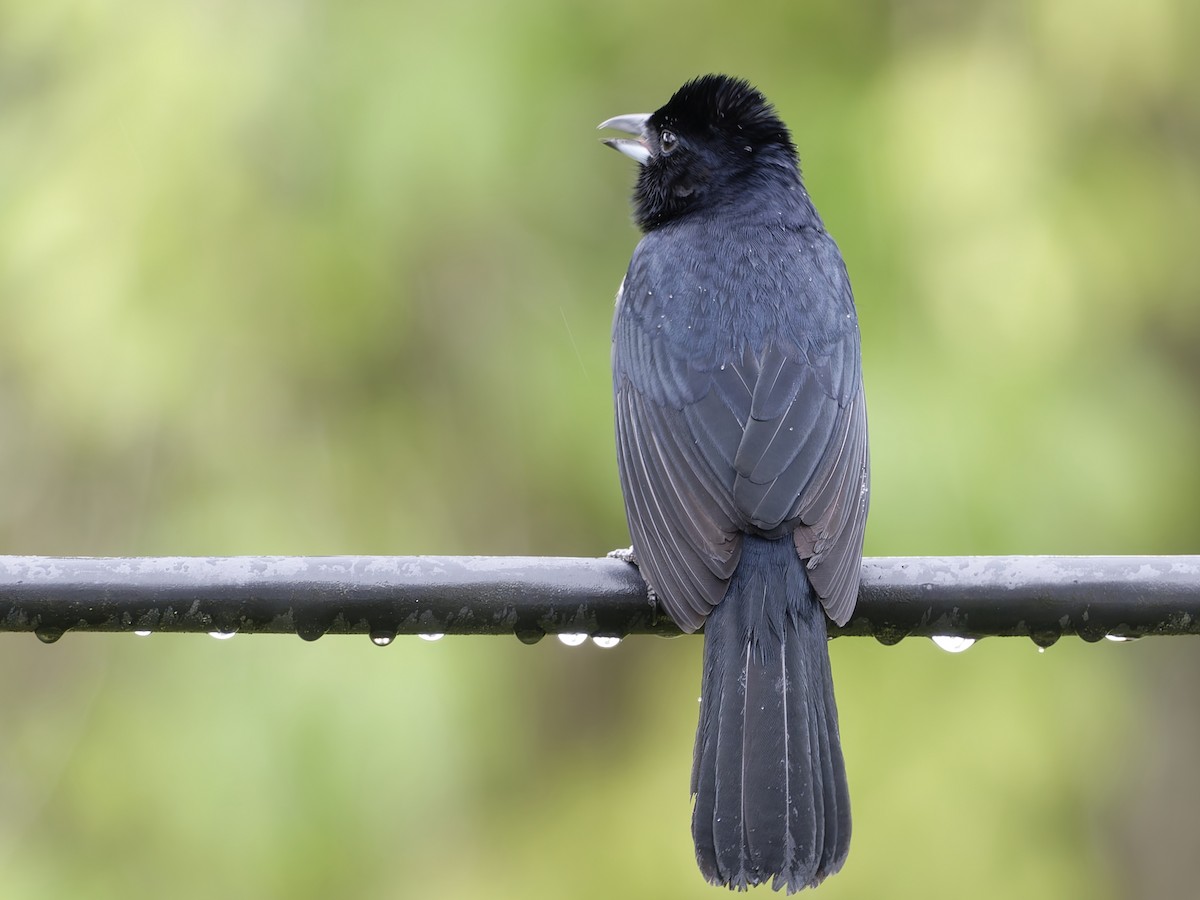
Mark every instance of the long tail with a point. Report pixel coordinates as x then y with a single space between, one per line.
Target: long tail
768 775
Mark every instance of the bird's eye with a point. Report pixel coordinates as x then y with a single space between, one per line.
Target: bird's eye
667 141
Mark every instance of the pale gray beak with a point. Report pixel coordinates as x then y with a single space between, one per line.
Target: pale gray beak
633 123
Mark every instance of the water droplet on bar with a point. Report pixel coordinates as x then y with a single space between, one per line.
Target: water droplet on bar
528 634
310 627
572 640
48 634
433 636
1117 638
952 643
606 642
1045 639
382 638
222 635
142 633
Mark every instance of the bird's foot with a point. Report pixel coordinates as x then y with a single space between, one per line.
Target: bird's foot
625 554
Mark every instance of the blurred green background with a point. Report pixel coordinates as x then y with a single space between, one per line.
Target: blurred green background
320 278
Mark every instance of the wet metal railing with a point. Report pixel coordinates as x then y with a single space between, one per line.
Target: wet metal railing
1040 597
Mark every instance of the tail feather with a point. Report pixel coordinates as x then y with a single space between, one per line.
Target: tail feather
805 769
838 786
763 803
768 775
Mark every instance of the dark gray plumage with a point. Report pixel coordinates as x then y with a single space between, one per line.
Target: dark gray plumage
742 448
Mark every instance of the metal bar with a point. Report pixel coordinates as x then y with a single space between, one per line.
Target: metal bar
1041 597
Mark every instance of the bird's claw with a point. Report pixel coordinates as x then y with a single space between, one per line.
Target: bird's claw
624 554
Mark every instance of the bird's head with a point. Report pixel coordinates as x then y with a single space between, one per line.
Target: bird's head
713 141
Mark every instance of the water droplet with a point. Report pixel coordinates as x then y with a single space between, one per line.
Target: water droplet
952 643
432 636
222 635
381 638
528 634
48 634
1045 639
890 637
1041 649
309 626
606 642
572 640
142 633
1117 638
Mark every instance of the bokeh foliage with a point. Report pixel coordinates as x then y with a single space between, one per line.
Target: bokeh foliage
338 277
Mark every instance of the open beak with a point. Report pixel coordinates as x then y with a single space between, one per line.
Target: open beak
634 123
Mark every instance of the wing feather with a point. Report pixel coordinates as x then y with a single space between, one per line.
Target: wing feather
764 435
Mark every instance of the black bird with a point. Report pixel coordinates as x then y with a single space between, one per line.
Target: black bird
742 447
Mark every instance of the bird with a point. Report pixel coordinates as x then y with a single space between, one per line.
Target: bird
743 460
